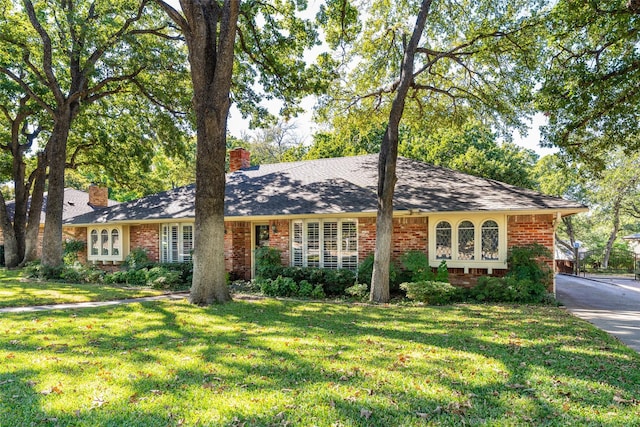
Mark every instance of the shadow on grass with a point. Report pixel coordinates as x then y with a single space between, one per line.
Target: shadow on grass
273 362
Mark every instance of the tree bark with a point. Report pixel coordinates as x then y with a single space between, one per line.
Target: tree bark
11 257
57 157
387 166
210 31
35 211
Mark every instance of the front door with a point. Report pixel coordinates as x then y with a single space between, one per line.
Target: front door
260 239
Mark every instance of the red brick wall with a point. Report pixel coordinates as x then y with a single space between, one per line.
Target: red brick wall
146 236
409 234
279 239
237 249
239 158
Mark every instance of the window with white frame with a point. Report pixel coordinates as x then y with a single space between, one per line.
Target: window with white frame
326 243
105 244
468 241
176 243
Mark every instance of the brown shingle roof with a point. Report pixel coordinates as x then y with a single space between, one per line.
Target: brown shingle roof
337 185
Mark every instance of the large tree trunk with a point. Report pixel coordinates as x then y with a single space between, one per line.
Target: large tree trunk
35 211
11 257
57 157
387 166
210 31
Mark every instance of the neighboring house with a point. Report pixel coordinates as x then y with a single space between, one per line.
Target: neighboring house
322 213
633 240
76 203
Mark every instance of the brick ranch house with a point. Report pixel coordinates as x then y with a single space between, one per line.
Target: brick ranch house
322 213
75 203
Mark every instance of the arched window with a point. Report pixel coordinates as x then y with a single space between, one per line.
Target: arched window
490 240
443 240
466 241
115 242
104 242
94 242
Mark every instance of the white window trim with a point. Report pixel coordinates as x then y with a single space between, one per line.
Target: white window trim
110 257
321 222
182 255
477 220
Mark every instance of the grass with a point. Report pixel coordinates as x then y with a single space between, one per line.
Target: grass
277 363
18 292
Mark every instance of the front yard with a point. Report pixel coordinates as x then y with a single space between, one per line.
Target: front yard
272 362
18 292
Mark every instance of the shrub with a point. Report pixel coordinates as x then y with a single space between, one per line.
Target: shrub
524 263
136 260
359 291
305 289
508 289
318 292
442 275
416 264
72 275
279 287
268 262
115 277
71 249
136 277
365 270
430 292
336 281
162 278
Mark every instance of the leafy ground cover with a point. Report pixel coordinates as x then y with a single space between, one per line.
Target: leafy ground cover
274 363
17 292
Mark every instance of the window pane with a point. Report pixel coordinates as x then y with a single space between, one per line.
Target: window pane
115 242
466 241
490 241
94 242
313 244
174 244
187 242
443 240
330 243
104 242
164 245
349 246
296 245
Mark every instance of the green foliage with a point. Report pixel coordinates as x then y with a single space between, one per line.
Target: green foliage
333 281
524 263
71 249
358 291
365 271
279 287
430 292
305 289
417 264
162 278
268 262
508 289
137 259
442 274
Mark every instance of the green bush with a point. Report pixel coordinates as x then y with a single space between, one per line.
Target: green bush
365 271
442 274
162 278
279 287
430 292
508 289
136 277
305 289
318 292
524 263
136 260
358 291
416 264
115 277
268 262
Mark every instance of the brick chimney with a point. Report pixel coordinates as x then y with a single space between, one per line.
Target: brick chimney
98 196
239 158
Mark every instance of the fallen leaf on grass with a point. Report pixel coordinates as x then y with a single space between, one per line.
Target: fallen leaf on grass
57 389
620 401
365 413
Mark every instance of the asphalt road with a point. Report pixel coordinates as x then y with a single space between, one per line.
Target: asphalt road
613 306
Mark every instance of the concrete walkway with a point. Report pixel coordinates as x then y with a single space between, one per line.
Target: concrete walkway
37 308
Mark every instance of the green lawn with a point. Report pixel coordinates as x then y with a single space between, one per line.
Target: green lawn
18 292
276 363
